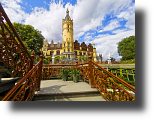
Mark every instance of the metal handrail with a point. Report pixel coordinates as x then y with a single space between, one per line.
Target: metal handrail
13 29
25 81
115 77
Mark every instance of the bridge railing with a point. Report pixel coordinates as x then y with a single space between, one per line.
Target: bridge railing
111 87
25 89
13 53
50 71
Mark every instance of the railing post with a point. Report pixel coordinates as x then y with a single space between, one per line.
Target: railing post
91 76
40 71
76 63
33 57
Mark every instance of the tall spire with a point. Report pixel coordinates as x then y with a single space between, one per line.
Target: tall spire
67 15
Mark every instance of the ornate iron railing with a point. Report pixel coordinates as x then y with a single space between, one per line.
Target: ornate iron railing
14 54
111 87
107 83
53 70
12 50
25 89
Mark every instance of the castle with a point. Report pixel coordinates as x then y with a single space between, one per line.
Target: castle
68 47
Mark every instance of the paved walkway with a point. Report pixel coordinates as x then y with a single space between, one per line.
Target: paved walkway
69 89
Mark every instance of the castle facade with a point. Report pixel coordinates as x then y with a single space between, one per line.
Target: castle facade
68 47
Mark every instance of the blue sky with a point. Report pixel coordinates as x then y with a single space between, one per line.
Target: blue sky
106 22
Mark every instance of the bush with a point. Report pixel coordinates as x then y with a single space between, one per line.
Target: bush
64 72
49 58
125 79
37 58
128 61
44 61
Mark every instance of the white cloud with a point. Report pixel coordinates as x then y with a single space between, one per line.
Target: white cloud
49 22
131 22
112 25
128 15
108 43
14 10
86 14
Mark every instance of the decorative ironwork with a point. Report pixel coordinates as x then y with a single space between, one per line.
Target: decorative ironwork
12 51
53 71
106 83
24 90
84 72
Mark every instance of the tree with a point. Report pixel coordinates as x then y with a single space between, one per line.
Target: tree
32 38
126 48
112 59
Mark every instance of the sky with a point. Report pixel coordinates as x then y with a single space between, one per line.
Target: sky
106 22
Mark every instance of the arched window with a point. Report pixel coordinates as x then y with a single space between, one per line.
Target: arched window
51 52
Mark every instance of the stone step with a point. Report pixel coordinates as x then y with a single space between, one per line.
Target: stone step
58 90
85 96
8 83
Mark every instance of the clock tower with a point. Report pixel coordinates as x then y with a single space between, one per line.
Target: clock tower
67 33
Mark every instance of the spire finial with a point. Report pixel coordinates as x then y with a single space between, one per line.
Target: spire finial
67 11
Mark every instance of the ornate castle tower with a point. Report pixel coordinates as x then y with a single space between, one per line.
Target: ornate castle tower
67 33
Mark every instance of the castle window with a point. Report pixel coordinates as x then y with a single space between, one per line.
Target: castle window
68 30
58 52
44 49
68 50
80 53
68 26
68 45
51 52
